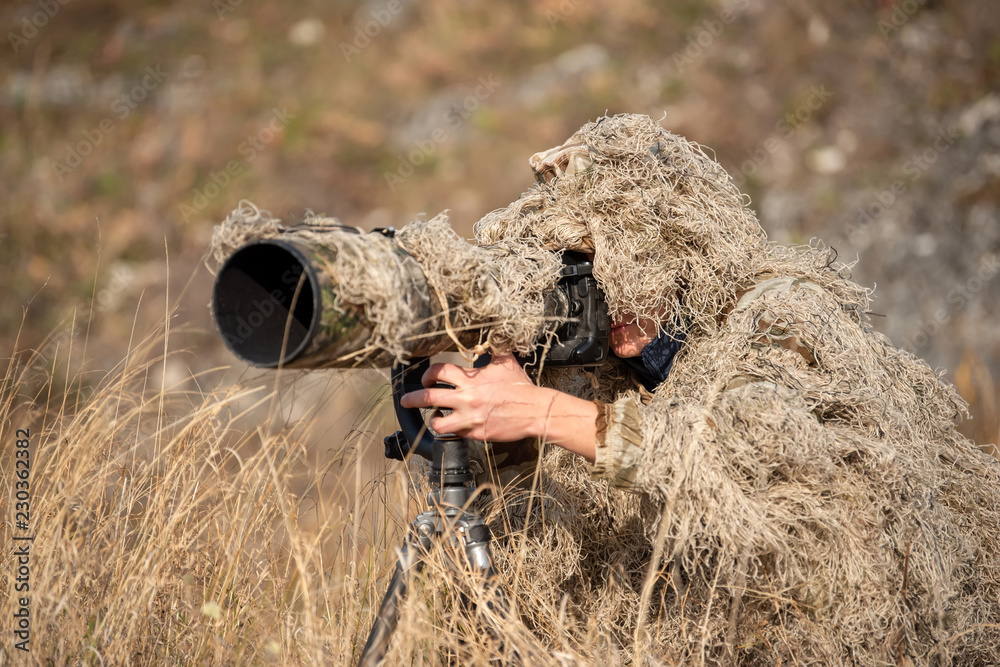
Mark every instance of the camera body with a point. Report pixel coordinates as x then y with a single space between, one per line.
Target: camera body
583 339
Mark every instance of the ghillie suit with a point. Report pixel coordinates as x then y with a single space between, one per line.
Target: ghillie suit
794 492
804 492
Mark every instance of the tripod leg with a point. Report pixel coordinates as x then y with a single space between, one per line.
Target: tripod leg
477 551
410 556
385 624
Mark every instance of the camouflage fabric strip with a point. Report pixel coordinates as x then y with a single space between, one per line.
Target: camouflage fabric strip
619 442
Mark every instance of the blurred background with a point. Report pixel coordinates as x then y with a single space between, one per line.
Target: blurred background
129 129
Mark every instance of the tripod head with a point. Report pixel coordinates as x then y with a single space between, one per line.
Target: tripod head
448 453
413 435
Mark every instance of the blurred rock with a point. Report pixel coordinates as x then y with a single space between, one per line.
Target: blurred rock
977 115
306 32
61 86
827 160
819 31
925 245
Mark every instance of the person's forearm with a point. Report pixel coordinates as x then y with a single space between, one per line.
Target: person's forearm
567 421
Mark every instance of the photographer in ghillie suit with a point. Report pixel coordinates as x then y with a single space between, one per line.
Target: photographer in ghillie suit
757 477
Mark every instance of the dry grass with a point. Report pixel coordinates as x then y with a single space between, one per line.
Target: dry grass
185 525
181 526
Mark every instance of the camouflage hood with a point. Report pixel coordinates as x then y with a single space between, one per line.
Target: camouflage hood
664 219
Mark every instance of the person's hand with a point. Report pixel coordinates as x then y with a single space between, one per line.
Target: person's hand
499 403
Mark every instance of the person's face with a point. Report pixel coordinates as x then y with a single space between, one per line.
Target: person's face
629 336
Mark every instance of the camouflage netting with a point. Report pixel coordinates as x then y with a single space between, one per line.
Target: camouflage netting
662 219
794 493
803 495
500 288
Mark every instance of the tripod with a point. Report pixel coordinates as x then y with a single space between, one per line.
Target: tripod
447 518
